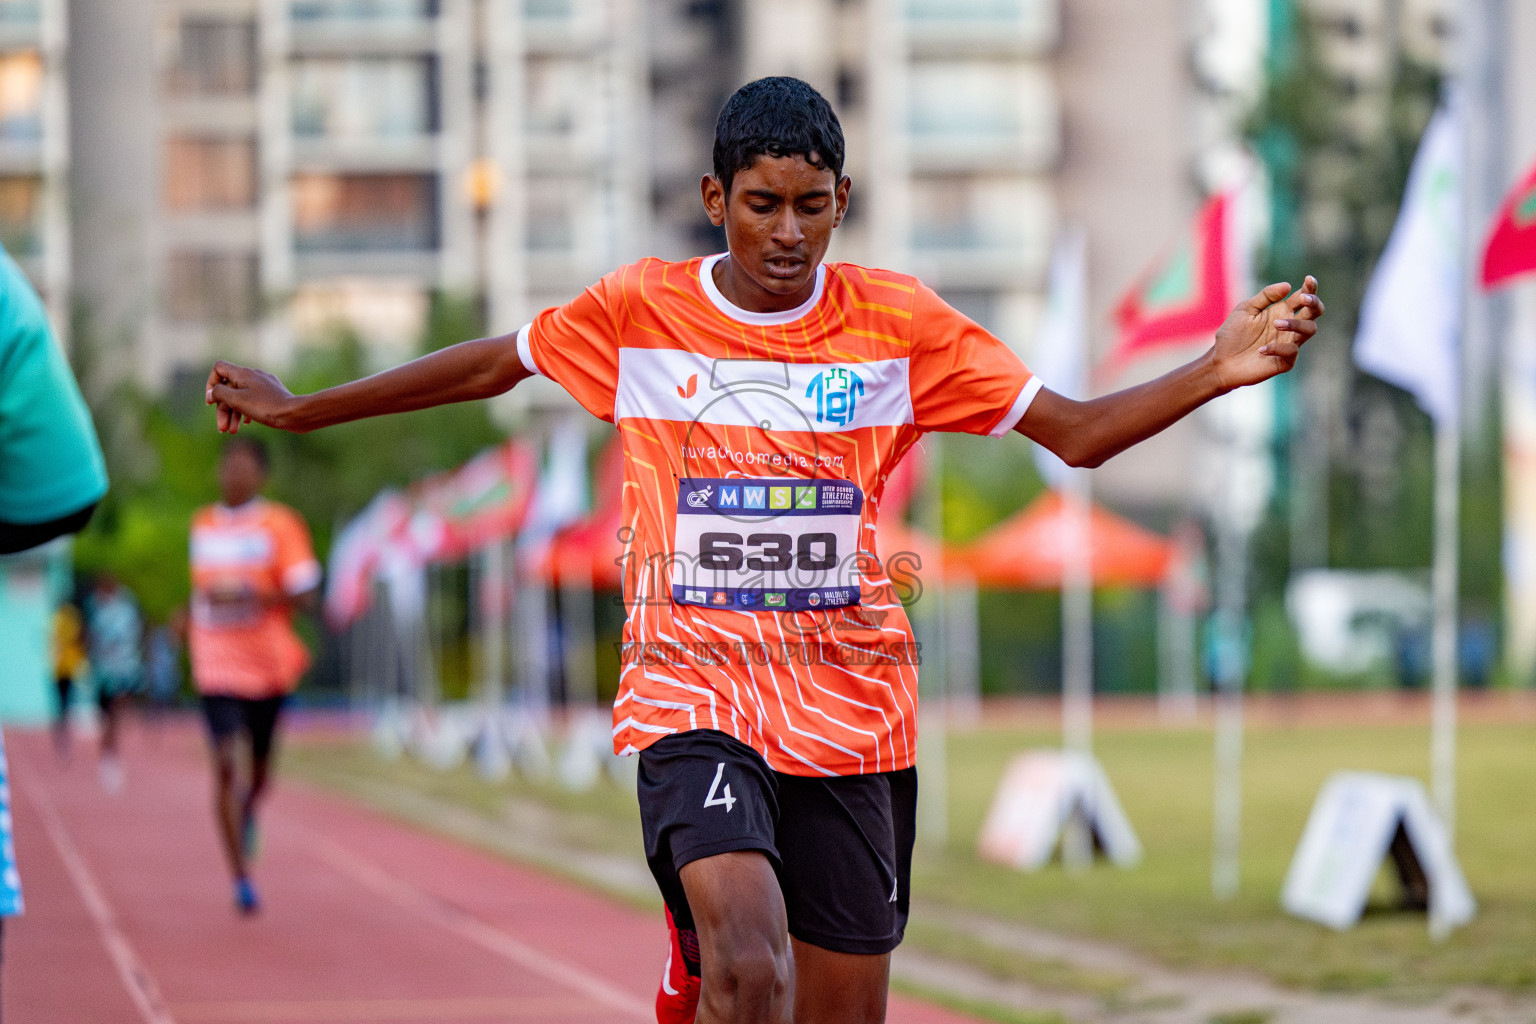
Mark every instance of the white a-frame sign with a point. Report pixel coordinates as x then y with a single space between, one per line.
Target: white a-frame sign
1040 792
1359 819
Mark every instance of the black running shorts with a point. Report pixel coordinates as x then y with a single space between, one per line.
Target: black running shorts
258 717
841 846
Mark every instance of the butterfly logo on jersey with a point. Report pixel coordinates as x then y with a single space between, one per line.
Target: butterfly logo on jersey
837 394
689 389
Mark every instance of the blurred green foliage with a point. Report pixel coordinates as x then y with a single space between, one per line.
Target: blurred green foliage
162 450
1337 154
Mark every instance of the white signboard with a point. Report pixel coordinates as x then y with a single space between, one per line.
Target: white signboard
1042 791
1355 823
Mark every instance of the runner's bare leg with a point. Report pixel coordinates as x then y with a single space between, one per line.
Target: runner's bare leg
229 800
738 910
839 988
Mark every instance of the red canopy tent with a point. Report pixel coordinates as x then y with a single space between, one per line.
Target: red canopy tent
1027 550
910 553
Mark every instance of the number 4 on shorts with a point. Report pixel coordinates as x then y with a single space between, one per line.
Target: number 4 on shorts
725 799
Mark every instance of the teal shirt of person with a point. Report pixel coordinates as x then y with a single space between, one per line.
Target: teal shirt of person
51 470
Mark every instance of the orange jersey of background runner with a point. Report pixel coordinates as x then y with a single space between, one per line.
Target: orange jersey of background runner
241 640
700 389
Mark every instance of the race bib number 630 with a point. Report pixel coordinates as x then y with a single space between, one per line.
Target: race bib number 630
767 544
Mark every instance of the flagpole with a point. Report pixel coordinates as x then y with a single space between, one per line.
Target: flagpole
932 738
1230 666
1077 653
1442 743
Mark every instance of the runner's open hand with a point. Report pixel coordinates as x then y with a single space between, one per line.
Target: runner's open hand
243 395
1264 334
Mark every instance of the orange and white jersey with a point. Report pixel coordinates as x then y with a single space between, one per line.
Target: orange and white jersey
757 446
240 638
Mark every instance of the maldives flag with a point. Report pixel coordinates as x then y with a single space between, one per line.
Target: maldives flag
1187 294
1511 249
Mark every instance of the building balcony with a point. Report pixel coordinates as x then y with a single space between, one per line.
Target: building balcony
326 154
564 153
19 35
210 115
982 115
321 264
982 27
956 151
20 155
363 26
982 233
212 230
972 267
21 13
347 39
561 271
563 27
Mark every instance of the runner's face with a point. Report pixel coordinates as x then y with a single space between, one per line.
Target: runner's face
778 221
240 477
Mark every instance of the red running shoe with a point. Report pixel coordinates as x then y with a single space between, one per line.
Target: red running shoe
677 1001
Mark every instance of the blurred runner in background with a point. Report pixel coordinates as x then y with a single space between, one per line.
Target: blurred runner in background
68 664
114 633
252 565
162 664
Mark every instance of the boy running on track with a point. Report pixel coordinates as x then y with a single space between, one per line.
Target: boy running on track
252 565
769 682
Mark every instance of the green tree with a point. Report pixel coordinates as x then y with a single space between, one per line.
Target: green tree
162 451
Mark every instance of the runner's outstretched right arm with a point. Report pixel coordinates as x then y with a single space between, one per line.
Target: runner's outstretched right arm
459 373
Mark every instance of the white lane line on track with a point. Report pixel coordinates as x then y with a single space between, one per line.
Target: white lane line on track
135 976
408 897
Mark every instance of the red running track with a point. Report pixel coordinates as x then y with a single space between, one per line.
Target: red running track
129 916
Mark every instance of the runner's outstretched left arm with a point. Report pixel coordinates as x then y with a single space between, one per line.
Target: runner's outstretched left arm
1260 339
459 373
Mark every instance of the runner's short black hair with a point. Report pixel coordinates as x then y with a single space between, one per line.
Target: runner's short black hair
778 116
253 445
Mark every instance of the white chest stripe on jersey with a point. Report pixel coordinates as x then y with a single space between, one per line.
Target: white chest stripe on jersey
664 384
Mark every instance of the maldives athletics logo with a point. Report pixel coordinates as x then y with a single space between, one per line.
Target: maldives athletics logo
837 394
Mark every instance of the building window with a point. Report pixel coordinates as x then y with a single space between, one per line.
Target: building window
364 98
965 111
21 96
210 174
215 56
975 10
997 214
947 24
352 212
212 287
20 206
20 12
552 205
553 10
387 312
364 10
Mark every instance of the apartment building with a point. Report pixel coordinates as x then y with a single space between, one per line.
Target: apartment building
954 132
34 147
322 165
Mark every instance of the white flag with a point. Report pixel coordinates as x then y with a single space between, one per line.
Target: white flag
1061 344
1410 319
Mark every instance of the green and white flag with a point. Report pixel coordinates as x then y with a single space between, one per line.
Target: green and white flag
1410 319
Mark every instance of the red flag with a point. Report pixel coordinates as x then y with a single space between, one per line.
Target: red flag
1184 296
1511 248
